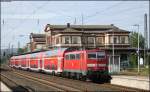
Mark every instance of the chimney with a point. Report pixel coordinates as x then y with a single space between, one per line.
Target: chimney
68 25
112 24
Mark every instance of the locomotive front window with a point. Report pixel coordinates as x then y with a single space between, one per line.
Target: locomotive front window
92 55
72 56
77 56
67 57
96 55
100 55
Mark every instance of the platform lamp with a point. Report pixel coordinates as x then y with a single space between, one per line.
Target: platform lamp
137 25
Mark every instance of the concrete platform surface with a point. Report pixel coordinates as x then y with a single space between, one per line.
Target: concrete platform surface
140 82
4 88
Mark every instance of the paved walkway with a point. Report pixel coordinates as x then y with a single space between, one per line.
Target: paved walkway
4 88
141 82
146 78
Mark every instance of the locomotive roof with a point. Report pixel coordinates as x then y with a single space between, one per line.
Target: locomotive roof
78 51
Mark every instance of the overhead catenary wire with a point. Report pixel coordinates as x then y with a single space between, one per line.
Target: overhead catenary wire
104 10
85 19
34 11
118 14
22 21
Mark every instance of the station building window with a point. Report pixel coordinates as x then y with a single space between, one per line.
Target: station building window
84 40
91 40
122 39
114 39
76 39
99 40
57 40
66 39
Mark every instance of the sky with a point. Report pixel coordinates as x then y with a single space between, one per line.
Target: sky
20 18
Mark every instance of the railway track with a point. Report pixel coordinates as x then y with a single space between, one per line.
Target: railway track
65 84
13 85
77 82
42 82
48 83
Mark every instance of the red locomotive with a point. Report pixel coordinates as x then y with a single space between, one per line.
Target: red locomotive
79 64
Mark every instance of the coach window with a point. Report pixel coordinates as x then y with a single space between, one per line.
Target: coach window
72 56
78 56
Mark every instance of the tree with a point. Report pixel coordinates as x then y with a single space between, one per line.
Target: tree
134 43
25 49
20 50
134 40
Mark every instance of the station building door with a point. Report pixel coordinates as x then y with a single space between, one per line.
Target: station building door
114 67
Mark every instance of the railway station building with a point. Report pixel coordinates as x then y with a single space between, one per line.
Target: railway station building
37 41
107 37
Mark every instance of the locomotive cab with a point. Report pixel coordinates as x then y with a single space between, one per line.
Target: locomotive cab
91 64
97 65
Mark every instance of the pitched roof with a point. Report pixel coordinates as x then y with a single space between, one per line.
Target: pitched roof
71 30
76 28
34 35
81 26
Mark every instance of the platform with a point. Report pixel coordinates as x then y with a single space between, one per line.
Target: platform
4 88
140 82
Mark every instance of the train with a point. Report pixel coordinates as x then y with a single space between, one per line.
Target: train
78 64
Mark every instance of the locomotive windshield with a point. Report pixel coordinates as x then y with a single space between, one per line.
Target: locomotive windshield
92 55
100 55
96 55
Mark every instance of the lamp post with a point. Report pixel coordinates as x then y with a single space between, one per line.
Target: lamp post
138 48
113 51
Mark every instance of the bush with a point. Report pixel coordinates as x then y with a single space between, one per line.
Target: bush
133 61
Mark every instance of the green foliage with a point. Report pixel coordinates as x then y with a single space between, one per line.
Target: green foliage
144 71
134 44
134 40
133 61
20 50
25 49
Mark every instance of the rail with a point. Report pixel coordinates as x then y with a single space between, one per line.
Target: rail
48 83
14 86
104 85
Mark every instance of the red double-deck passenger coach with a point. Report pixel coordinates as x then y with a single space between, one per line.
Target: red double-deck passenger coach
79 64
